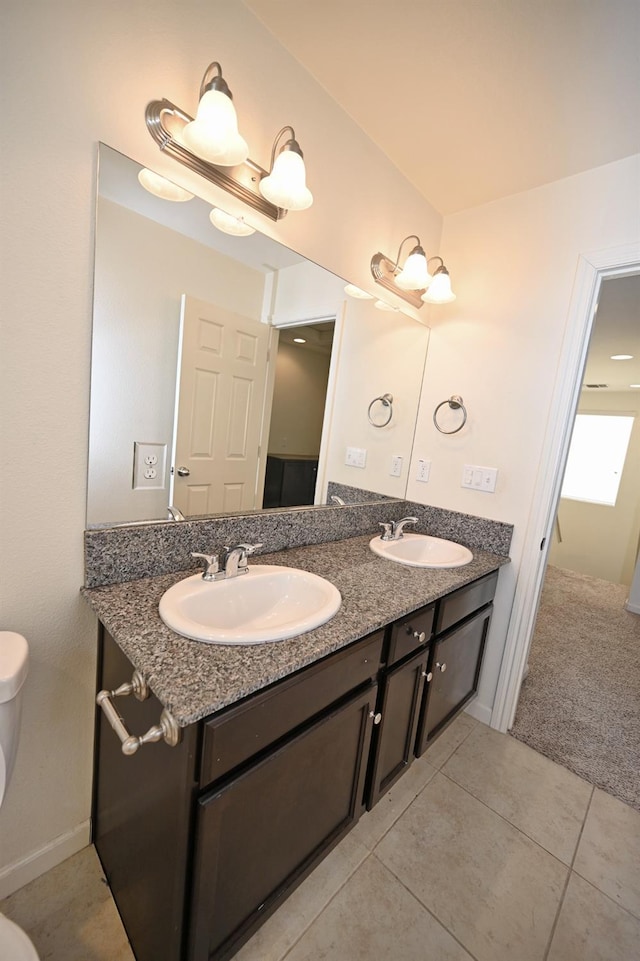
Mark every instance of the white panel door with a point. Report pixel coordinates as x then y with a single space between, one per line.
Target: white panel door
221 397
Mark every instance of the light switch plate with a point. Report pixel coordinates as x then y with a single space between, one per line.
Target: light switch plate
356 457
396 465
479 478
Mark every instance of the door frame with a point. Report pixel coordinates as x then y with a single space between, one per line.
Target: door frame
592 269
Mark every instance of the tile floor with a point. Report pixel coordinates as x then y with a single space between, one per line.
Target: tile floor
484 851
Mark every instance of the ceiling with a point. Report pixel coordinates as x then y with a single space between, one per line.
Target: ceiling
473 100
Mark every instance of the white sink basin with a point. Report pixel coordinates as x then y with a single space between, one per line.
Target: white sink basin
268 603
421 550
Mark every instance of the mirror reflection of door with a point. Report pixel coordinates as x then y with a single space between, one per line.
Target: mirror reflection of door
220 410
299 398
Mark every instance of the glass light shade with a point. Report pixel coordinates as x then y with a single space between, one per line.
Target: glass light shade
161 187
414 275
439 291
354 291
285 186
229 224
213 135
382 305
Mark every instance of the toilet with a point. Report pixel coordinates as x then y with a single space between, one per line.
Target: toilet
14 664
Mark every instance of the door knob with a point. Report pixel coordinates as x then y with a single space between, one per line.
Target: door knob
183 471
376 717
441 667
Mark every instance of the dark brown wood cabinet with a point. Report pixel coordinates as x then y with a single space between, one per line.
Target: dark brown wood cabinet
201 842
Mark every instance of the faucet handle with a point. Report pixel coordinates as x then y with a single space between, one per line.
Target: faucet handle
211 564
243 552
398 526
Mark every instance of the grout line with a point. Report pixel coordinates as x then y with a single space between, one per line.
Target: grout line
554 926
427 909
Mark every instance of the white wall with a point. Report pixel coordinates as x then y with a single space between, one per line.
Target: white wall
513 264
142 270
298 401
72 75
598 539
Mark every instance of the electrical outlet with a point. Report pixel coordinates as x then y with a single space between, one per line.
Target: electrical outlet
149 466
355 457
423 471
396 465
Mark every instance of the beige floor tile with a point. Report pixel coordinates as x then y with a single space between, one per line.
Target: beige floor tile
375 824
69 914
374 916
609 850
272 941
450 739
592 928
539 797
492 887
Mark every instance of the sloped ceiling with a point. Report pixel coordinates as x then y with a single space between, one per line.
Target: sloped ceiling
474 100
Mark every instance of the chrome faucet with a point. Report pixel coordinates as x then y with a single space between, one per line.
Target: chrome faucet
174 513
232 563
234 559
394 530
337 500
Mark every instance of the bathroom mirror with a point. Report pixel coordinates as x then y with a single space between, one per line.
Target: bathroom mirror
169 290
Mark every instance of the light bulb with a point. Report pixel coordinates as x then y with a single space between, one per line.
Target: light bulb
229 224
414 275
213 135
285 186
161 187
439 291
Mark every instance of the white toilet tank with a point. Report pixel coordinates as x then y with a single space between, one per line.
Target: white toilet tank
14 665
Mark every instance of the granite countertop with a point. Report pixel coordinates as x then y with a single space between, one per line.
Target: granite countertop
193 679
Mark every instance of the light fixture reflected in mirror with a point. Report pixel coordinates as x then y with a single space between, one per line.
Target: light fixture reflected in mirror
212 147
412 281
356 292
161 187
229 224
383 305
286 185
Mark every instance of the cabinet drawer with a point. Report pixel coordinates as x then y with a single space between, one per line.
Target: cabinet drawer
465 601
243 730
404 635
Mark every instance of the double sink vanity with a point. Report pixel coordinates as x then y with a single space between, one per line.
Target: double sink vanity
278 747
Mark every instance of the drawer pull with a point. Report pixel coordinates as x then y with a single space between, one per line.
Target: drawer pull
376 717
441 667
167 728
428 675
420 636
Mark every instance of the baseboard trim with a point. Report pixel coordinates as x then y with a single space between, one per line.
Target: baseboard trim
16 875
480 712
633 608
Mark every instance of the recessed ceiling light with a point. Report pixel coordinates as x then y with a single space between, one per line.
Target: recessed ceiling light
622 357
299 340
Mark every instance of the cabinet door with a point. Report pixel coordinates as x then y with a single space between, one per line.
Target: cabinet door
259 835
394 736
455 669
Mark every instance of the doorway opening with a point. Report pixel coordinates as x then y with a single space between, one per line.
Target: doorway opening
579 701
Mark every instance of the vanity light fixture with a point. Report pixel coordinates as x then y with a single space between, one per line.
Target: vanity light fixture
229 224
161 187
286 185
212 147
412 281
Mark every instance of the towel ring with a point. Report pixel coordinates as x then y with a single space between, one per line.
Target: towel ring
387 401
455 403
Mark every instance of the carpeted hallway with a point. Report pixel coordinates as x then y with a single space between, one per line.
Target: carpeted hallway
580 704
